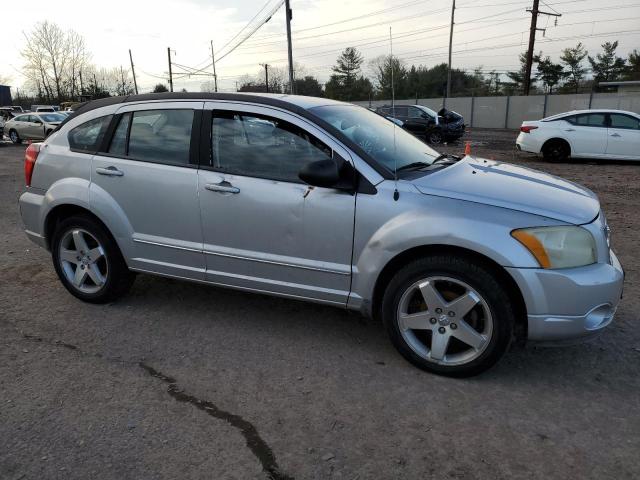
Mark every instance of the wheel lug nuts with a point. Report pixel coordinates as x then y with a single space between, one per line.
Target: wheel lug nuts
452 314
441 330
438 310
432 320
453 326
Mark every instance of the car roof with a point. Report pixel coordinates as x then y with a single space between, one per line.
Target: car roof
593 110
288 102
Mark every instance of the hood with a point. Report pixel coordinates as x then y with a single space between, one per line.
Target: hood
514 187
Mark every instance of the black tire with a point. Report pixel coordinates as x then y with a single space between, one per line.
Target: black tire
556 151
118 279
482 280
435 137
15 138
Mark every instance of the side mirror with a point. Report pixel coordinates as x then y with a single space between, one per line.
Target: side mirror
37 122
321 173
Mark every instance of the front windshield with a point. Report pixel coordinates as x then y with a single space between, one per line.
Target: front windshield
387 143
428 111
52 117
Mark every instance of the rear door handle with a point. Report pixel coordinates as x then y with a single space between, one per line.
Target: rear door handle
570 130
223 187
110 171
615 134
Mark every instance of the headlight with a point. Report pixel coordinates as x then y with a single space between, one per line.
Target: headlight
558 247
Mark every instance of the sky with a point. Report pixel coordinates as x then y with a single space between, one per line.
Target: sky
488 33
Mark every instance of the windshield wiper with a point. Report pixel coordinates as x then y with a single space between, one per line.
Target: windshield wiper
413 166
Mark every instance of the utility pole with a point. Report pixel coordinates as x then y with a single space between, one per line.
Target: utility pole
289 14
122 78
133 72
453 10
215 77
170 73
266 76
532 40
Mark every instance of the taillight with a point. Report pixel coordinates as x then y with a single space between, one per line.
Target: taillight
30 157
527 128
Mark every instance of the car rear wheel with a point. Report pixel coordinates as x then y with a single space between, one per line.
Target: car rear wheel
15 138
448 315
556 151
88 261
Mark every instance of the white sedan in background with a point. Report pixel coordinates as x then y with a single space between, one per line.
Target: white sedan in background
601 134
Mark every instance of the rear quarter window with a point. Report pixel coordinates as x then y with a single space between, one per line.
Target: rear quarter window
88 136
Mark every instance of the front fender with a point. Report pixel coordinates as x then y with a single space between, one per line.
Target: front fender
428 220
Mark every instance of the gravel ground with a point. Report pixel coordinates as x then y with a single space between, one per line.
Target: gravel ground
179 380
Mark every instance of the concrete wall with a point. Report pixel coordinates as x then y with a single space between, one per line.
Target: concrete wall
510 112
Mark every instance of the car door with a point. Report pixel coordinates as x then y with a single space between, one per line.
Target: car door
587 134
624 136
401 113
147 180
416 121
264 229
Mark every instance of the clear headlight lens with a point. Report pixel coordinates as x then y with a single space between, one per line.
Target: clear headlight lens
558 247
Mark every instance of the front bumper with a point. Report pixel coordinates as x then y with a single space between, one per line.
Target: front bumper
570 303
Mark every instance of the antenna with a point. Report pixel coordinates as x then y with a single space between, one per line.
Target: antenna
396 194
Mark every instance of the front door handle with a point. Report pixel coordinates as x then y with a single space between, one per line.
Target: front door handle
110 171
223 187
615 134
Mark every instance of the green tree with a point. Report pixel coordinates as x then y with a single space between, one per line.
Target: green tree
160 88
308 85
607 66
633 70
550 73
346 72
517 76
388 69
572 58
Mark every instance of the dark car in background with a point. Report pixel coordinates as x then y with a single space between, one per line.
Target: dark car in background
440 127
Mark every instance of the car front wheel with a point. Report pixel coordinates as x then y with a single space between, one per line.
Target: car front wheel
448 315
435 137
88 261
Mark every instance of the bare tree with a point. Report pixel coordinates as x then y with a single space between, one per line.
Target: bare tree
54 60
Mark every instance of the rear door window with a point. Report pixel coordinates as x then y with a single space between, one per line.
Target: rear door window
160 136
589 120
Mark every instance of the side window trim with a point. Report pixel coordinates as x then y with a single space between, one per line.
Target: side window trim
609 121
209 165
317 127
194 140
105 136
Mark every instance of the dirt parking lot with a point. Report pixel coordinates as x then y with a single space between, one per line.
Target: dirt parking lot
184 381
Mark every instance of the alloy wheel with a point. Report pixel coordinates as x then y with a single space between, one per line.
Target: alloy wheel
83 261
13 136
435 138
444 321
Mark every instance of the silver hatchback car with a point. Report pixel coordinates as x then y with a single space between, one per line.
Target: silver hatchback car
324 201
